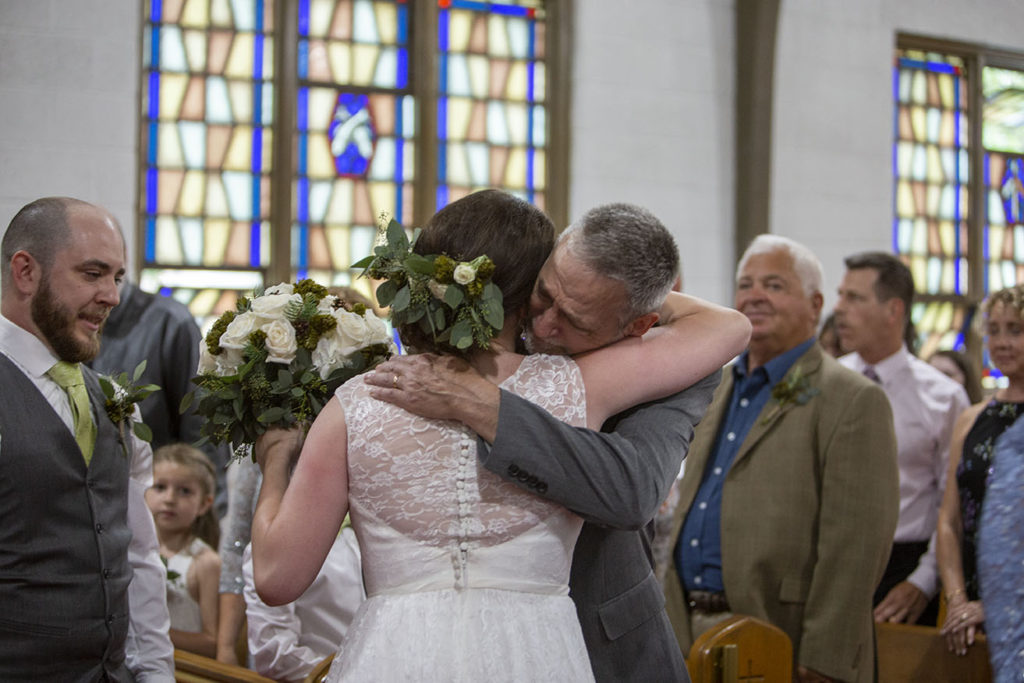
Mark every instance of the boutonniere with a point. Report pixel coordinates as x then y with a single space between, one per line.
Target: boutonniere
793 389
121 396
172 576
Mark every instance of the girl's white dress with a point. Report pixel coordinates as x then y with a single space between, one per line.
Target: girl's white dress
183 608
466 574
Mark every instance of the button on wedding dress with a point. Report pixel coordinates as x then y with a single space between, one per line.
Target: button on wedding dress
466 574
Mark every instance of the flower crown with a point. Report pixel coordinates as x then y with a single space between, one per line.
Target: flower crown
455 303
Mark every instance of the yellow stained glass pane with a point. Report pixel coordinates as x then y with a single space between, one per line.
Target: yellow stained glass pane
387 22
239 64
517 82
220 13
337 241
169 151
216 198
320 15
364 63
195 14
497 36
517 117
321 108
340 60
515 169
459 24
540 170
215 237
459 110
319 163
172 91
192 194
240 94
239 156
168 244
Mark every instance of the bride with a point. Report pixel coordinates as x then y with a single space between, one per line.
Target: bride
466 575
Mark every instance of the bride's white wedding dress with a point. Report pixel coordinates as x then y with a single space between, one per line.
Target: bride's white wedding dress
466 575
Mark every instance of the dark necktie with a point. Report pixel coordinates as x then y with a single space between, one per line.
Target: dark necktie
870 373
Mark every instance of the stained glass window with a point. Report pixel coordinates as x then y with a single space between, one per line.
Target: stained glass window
355 133
214 183
491 106
207 92
932 170
934 189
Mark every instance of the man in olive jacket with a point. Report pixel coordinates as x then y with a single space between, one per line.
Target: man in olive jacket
790 494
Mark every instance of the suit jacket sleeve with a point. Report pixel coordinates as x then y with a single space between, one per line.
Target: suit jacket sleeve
859 508
615 478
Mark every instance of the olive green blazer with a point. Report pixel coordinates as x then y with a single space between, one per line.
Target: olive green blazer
809 509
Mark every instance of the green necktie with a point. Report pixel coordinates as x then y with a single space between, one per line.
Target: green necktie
69 377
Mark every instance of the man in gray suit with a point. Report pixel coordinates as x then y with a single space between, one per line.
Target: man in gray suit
82 588
605 280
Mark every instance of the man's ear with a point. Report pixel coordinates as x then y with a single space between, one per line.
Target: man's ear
639 326
897 311
26 272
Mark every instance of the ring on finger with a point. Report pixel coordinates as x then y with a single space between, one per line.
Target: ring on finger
394 383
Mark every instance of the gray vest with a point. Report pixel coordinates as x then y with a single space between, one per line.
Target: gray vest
64 537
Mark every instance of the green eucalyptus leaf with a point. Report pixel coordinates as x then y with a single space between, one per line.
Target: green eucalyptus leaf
419 264
142 431
271 415
396 235
495 316
453 296
386 292
107 387
402 299
139 369
186 402
363 262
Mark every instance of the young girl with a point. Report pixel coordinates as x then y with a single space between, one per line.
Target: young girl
181 500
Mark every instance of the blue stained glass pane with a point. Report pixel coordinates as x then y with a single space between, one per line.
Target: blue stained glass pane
156 11
938 67
403 24
403 69
151 236
352 134
303 17
303 59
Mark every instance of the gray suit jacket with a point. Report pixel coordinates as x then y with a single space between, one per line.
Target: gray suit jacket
616 480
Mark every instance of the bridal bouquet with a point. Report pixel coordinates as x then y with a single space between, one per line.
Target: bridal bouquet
278 358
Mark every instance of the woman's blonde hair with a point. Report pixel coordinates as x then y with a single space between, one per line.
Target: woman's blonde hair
205 526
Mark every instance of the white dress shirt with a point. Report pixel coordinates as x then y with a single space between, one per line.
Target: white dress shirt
925 404
286 642
148 649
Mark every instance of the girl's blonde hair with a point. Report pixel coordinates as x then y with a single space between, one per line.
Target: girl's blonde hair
205 526
1012 297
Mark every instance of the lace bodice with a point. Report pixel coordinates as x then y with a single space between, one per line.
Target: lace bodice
429 516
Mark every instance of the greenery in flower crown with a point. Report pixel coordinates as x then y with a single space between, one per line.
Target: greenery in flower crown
454 303
278 358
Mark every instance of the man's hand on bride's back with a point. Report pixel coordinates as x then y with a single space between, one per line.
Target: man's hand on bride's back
438 387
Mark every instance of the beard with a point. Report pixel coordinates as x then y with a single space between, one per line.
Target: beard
535 344
57 324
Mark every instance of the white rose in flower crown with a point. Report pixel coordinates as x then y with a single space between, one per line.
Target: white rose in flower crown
464 273
436 288
237 333
281 344
271 306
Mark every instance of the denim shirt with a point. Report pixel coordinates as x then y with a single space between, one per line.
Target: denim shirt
698 552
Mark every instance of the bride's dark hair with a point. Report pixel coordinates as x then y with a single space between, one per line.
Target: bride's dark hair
514 234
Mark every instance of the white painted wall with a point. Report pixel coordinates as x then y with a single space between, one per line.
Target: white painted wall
68 103
832 165
652 116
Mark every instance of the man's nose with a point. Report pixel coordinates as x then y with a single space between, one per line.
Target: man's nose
109 294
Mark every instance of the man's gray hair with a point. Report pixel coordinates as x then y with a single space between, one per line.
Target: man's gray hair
41 229
805 263
627 243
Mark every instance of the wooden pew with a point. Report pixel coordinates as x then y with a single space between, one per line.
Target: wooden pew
741 648
193 668
908 654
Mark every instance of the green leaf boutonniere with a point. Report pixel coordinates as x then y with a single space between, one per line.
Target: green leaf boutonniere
121 396
793 388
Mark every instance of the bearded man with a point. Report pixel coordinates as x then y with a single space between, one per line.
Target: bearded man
82 589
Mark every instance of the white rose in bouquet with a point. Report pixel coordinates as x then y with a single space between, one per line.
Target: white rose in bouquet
280 342
271 306
237 333
351 330
376 330
326 304
224 363
280 288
